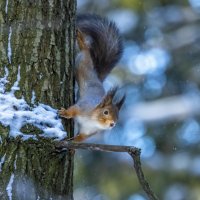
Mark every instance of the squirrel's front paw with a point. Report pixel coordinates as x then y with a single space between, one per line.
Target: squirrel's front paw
64 113
71 112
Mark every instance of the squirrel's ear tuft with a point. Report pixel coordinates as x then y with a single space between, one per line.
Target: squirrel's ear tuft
107 100
120 102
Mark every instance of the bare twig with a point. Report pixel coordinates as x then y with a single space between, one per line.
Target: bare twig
138 168
132 151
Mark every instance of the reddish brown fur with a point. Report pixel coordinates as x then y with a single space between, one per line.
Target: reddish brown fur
112 117
93 63
81 41
80 137
71 112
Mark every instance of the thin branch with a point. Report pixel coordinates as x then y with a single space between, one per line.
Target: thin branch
132 151
140 174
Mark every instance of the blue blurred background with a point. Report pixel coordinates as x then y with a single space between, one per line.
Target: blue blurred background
160 75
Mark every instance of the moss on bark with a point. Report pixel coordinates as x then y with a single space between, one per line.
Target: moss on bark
41 35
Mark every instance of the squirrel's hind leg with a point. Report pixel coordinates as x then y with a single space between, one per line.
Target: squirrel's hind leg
71 112
78 138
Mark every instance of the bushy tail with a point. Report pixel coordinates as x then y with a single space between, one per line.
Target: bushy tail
106 43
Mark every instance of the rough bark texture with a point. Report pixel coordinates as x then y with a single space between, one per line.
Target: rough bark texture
41 35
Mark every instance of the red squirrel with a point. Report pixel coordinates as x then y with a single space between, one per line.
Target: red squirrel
94 110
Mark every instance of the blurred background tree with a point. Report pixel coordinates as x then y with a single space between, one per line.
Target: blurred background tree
159 72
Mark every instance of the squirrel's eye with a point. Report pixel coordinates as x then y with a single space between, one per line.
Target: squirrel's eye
105 112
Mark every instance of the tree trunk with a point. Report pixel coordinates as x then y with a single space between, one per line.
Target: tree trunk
36 59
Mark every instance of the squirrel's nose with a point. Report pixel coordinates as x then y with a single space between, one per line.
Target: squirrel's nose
112 124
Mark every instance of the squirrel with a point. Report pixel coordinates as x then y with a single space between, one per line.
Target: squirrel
101 48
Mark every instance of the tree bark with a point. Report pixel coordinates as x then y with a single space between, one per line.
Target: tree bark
37 36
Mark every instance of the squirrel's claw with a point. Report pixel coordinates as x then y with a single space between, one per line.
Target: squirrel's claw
64 113
69 113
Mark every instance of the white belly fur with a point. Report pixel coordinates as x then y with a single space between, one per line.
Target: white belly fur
89 126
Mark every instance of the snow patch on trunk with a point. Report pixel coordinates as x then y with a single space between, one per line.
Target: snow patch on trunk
16 113
9 187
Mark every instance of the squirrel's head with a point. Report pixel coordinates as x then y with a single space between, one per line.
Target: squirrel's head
107 112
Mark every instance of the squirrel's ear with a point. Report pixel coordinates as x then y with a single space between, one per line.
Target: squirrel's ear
107 100
110 95
120 102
